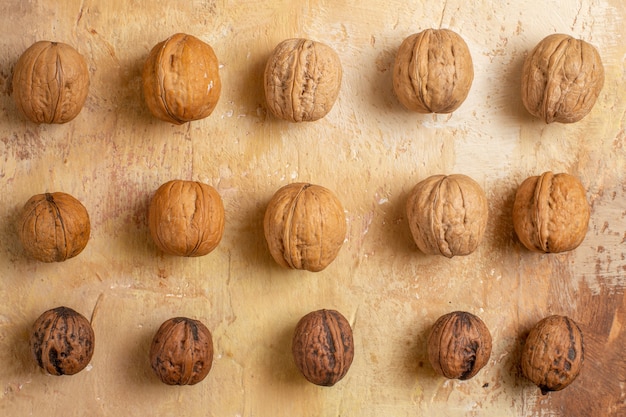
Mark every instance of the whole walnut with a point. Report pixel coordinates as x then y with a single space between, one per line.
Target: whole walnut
53 227
551 213
459 345
433 71
186 218
447 215
62 341
50 82
561 79
181 80
302 80
323 347
182 351
553 353
305 226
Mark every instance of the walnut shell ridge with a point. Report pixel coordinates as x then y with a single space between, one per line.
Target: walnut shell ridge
181 80
62 341
551 213
181 352
459 345
302 80
433 71
50 82
186 218
323 347
447 215
561 79
553 353
304 226
53 227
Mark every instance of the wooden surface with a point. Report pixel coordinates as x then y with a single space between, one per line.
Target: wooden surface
370 152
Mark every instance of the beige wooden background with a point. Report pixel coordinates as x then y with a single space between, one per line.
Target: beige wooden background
370 152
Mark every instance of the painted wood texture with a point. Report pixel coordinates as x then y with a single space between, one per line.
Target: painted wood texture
370 152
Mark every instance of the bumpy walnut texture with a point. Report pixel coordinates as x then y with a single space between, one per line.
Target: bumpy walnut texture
433 71
323 347
561 79
62 341
50 82
553 353
302 80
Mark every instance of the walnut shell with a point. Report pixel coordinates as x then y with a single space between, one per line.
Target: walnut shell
561 79
302 80
186 218
305 226
53 227
62 341
50 82
181 80
433 71
553 353
459 345
323 347
447 215
551 213
182 351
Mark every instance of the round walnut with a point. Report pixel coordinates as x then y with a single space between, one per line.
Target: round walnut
182 351
53 227
62 341
553 353
186 218
459 345
433 71
561 79
50 82
304 226
181 79
323 347
302 80
551 213
447 215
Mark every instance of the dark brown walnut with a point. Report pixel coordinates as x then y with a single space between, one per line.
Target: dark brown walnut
553 353
323 347
181 80
302 80
551 213
186 218
561 79
459 345
447 215
62 341
182 351
50 82
53 227
433 71
305 226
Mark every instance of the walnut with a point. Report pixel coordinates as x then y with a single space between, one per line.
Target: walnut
553 353
62 341
447 215
305 226
561 79
433 71
302 80
459 345
181 80
182 351
186 218
323 347
551 213
53 227
50 82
